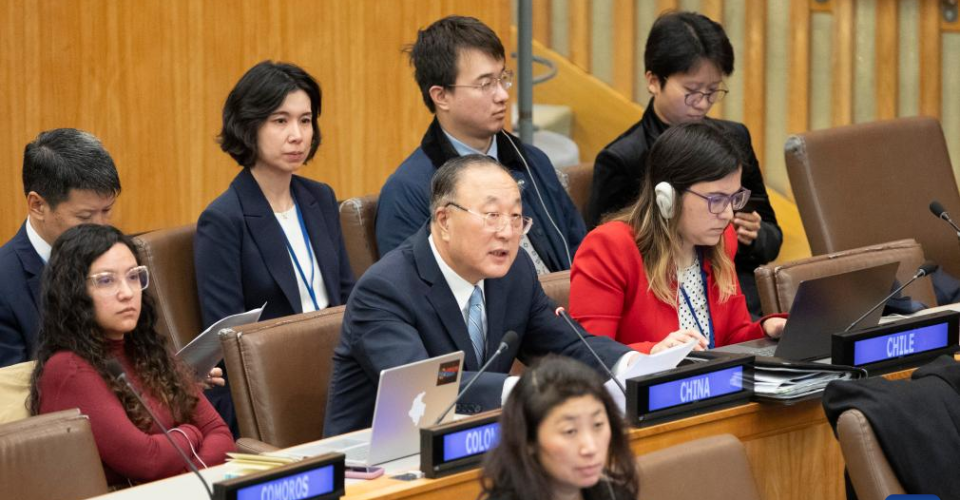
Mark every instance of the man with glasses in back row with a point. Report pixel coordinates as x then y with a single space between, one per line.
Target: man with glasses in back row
686 58
460 68
459 284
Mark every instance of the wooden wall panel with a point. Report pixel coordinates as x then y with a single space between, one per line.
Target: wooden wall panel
799 82
580 43
625 47
931 76
150 77
886 68
754 79
843 51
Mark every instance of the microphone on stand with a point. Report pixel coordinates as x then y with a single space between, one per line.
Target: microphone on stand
561 312
924 270
509 339
937 209
115 369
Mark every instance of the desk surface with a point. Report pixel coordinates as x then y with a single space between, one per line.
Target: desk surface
791 449
792 452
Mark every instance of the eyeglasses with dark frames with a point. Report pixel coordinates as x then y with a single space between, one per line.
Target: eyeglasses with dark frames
717 203
696 97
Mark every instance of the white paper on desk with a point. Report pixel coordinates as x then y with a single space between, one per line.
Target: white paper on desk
204 352
666 359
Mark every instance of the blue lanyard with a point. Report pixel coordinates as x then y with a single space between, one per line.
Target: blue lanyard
706 295
296 262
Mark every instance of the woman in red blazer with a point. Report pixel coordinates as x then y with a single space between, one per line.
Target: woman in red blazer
661 272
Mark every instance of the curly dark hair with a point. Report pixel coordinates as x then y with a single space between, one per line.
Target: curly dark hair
512 471
68 323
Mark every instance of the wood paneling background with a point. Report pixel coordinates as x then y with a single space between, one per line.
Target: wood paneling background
149 79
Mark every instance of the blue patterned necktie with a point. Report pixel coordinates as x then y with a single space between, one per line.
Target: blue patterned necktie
475 317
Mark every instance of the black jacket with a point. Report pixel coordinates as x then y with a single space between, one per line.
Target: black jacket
917 423
618 174
603 490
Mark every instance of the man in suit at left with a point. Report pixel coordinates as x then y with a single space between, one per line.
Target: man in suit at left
68 179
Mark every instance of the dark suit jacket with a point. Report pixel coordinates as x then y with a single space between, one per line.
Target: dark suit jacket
241 258
20 271
403 311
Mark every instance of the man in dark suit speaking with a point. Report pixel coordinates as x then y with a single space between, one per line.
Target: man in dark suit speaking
457 284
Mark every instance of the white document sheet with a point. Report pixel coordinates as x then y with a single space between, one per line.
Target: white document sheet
648 363
204 352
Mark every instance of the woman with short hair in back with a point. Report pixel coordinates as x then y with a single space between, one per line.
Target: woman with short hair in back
561 438
273 236
660 273
95 313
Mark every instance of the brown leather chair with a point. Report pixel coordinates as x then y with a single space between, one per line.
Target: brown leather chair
280 374
718 465
777 285
579 180
168 253
50 456
869 183
869 470
557 287
358 218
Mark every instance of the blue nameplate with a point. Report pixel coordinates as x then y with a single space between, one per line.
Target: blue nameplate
902 344
316 478
457 446
688 390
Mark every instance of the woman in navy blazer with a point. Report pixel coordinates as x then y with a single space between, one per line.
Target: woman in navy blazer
273 237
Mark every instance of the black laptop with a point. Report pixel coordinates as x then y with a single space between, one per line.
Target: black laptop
822 307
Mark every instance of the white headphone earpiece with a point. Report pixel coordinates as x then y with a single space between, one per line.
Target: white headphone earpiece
665 197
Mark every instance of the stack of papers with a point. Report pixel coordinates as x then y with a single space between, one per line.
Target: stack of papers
204 352
785 383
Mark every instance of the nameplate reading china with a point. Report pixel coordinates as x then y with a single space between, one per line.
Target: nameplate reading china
316 478
457 446
902 344
690 390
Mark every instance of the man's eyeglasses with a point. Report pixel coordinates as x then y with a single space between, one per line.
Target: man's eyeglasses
694 98
496 222
137 278
488 85
717 203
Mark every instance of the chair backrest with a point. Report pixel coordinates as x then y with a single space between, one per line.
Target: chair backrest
869 470
557 287
280 373
777 285
579 181
358 217
868 183
37 452
14 391
168 253
718 463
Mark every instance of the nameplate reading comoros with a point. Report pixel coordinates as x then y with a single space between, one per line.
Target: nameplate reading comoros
457 446
899 345
317 478
690 390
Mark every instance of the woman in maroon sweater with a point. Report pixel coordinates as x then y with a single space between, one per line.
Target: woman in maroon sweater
661 272
95 310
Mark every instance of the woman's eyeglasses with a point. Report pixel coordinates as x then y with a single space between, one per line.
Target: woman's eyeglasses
717 203
137 278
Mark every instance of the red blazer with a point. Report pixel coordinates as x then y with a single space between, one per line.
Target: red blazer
610 296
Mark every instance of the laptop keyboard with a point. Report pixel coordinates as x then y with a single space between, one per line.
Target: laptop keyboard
768 351
358 454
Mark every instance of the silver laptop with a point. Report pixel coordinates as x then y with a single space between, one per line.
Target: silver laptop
822 307
408 397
